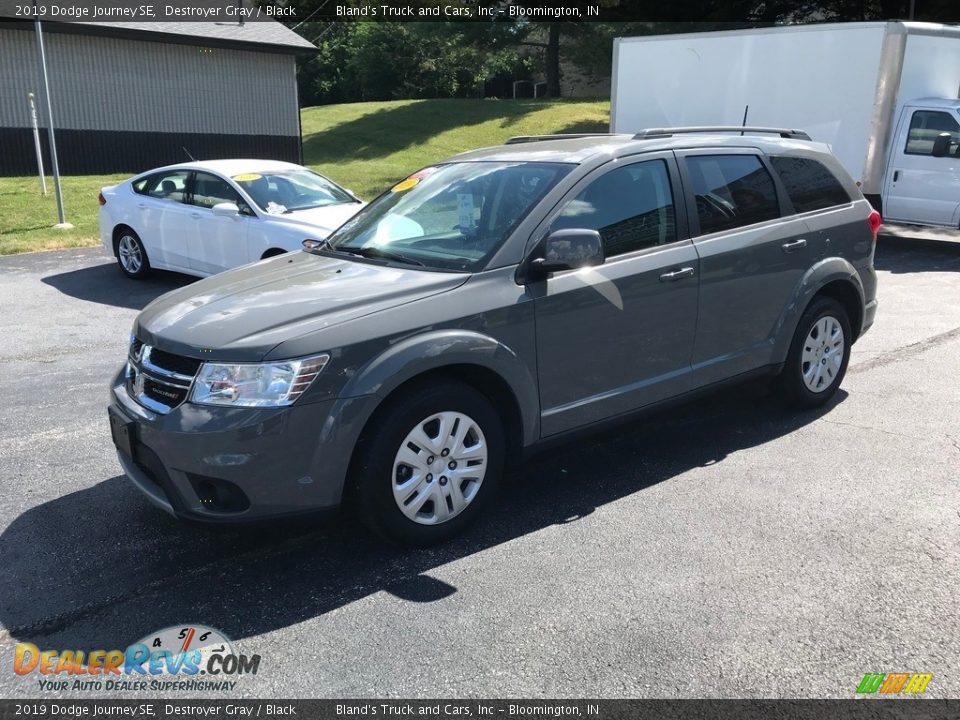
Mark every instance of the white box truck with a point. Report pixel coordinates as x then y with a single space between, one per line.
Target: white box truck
883 95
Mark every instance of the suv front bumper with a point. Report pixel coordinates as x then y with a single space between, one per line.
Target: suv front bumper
235 464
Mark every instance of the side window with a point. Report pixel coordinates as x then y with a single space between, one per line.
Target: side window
631 207
810 185
731 191
140 186
170 185
210 190
925 125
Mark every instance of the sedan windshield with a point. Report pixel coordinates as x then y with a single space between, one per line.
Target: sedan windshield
448 217
287 191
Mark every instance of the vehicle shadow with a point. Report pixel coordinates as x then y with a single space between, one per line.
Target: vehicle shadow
100 569
105 284
907 254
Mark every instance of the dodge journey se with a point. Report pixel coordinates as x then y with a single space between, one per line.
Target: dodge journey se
488 303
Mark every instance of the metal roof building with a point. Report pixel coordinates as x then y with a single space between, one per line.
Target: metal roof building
129 96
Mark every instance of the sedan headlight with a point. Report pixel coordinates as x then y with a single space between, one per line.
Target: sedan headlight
274 384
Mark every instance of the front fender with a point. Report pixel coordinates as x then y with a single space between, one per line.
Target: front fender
442 348
821 274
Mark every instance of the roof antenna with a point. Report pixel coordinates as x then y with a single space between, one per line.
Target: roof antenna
240 10
192 158
746 109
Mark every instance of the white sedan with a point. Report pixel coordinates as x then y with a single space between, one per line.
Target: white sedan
201 218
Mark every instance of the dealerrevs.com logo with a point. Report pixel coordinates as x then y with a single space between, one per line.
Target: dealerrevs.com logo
192 658
894 683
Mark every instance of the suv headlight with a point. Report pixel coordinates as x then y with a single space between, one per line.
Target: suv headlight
272 384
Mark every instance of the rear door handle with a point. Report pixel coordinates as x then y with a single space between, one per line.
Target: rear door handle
674 275
794 245
896 175
141 205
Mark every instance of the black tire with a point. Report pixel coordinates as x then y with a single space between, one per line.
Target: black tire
793 388
127 241
373 476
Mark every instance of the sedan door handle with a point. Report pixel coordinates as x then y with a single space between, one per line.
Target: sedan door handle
674 275
141 205
195 215
896 175
794 245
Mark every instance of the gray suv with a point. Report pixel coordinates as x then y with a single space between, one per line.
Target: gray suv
490 302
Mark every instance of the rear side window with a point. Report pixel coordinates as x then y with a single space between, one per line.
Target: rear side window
925 126
631 207
731 191
810 185
170 185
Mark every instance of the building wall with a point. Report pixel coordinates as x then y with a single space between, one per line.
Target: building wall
123 105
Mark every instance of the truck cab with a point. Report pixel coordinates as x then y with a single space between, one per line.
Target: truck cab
922 182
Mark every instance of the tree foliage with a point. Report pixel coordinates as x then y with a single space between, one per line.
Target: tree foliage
392 60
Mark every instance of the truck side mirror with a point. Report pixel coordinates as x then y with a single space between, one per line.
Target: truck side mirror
568 250
941 146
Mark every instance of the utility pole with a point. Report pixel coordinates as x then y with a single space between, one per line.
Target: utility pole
62 222
36 142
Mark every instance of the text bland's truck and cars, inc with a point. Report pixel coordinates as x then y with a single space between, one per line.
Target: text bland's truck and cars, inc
880 94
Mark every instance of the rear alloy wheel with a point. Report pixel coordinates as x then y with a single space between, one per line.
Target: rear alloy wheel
131 255
428 463
818 355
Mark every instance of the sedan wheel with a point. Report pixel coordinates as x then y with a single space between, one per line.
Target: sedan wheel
132 256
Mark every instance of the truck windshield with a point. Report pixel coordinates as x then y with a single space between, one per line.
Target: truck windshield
448 217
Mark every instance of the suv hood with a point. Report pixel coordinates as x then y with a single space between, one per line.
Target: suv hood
241 314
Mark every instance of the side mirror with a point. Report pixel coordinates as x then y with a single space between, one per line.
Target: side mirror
226 209
941 146
568 250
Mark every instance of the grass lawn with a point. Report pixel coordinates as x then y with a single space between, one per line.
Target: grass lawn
363 146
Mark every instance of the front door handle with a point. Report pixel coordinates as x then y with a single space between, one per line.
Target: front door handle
794 245
674 275
896 175
195 215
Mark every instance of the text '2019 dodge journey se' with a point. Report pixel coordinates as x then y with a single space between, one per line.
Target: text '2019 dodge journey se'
487 303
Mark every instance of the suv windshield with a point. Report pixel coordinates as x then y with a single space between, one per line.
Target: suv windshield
448 217
287 191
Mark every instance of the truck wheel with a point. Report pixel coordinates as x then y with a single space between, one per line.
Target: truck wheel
818 355
428 463
131 255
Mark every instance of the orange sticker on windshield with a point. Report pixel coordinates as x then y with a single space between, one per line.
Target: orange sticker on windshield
405 184
413 179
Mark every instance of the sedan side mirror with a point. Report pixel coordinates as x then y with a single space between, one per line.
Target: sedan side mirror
568 250
226 209
941 146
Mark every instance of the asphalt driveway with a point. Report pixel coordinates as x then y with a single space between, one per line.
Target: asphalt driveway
724 549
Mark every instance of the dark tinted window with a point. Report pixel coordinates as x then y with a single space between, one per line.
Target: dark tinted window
170 185
809 184
631 207
925 126
732 191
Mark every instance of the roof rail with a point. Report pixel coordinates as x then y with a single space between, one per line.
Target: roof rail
539 138
667 132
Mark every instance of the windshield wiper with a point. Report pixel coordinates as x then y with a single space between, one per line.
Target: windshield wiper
375 252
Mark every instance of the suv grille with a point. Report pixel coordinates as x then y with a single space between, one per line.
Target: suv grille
158 380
